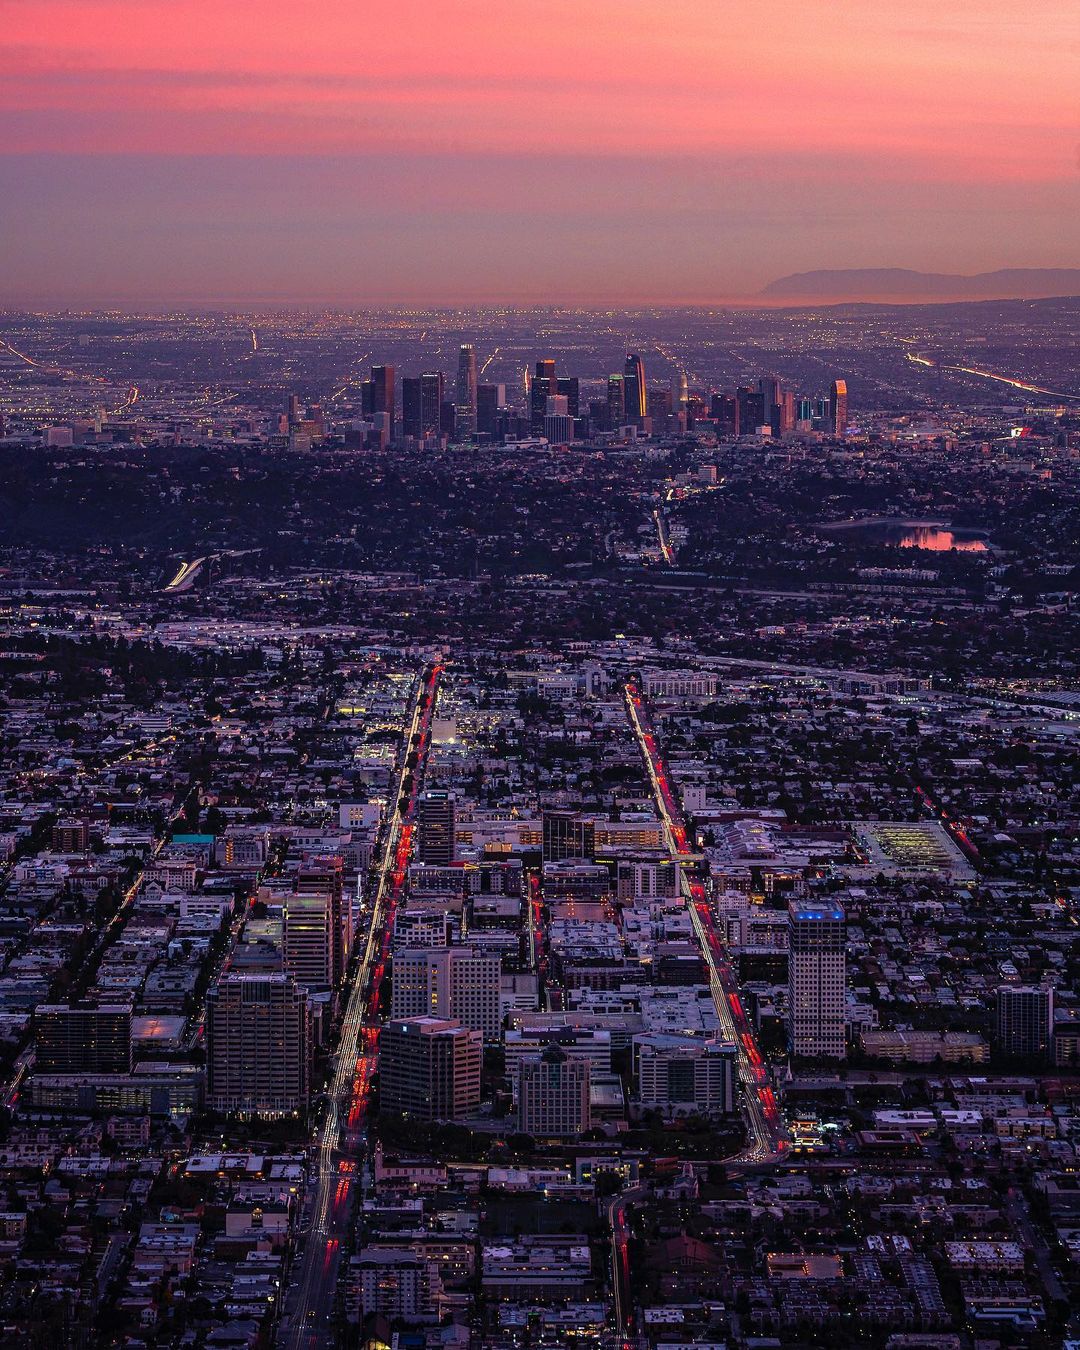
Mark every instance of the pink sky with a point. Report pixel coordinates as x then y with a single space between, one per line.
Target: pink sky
962 111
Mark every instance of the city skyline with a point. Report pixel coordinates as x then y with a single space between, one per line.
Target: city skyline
182 154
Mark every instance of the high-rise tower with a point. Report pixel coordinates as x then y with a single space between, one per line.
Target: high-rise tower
466 392
634 388
817 979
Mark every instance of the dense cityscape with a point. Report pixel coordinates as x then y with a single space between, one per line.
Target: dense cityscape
528 828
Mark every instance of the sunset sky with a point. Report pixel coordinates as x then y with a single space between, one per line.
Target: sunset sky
432 150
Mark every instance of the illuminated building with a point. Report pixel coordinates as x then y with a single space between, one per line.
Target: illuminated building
817 979
838 411
634 387
429 1067
258 1045
435 828
465 405
553 1094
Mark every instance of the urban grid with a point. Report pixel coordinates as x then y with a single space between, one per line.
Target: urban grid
539 828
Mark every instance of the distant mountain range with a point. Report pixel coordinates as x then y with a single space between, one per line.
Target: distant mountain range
900 283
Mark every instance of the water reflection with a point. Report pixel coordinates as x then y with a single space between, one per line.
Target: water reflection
937 540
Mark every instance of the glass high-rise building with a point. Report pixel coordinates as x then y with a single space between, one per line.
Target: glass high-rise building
634 388
465 402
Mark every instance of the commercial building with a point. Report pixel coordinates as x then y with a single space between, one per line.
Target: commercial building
430 1067
314 937
82 1040
553 1094
1024 1020
258 1030
458 982
817 979
678 1075
435 828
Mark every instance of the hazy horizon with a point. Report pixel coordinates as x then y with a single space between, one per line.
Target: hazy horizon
607 154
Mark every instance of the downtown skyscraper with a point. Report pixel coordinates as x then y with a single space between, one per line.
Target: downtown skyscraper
466 392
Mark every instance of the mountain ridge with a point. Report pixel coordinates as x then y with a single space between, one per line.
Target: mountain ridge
903 283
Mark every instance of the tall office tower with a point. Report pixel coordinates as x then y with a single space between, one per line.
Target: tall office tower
489 399
553 1094
542 386
435 828
429 1067
82 1040
558 424
412 407
317 927
616 401
292 407
567 835
838 408
569 388
307 941
459 982
723 409
634 385
599 415
466 392
382 378
1024 1021
770 395
817 979
787 413
748 410
432 398
258 1045
680 393
804 408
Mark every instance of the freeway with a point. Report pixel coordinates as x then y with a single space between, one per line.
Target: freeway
662 535
620 1261
185 577
768 1135
308 1322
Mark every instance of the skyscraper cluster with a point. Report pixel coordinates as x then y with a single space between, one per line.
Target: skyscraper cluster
552 406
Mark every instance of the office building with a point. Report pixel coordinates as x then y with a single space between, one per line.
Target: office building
315 937
258 1045
543 385
569 388
435 828
459 982
634 389
429 1067
432 402
71 836
838 408
616 402
465 403
567 835
680 393
749 413
412 407
1024 1021
817 979
678 1075
489 399
377 397
558 424
87 1040
553 1094
307 940
770 397
723 410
